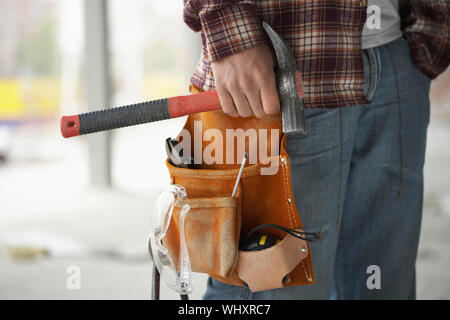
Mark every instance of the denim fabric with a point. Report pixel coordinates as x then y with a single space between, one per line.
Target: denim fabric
358 177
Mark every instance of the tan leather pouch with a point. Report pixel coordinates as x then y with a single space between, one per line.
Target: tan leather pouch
214 229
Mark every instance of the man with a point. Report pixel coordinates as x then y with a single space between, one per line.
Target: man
358 174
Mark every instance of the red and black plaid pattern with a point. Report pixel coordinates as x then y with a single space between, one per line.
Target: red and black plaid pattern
231 30
426 25
325 36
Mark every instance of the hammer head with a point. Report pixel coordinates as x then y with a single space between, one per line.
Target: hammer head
288 85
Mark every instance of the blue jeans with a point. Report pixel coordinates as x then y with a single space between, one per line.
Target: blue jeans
358 177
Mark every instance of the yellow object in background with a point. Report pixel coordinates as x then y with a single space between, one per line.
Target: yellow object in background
29 98
12 105
44 95
24 253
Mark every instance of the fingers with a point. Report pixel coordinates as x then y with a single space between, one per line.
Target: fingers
269 97
241 102
227 102
256 102
254 99
237 104
246 83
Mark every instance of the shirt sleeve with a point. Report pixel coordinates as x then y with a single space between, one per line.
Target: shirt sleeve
426 25
228 26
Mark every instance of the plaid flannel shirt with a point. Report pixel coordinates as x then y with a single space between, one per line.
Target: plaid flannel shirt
325 36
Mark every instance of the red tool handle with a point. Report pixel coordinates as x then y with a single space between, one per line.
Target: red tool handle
196 103
146 112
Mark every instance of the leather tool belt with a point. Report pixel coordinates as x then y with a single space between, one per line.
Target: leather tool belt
218 221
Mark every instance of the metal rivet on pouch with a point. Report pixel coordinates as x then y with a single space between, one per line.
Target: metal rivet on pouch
310 279
304 250
283 161
289 200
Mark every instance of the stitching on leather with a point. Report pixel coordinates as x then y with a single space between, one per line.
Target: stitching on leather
213 177
304 269
286 190
307 273
202 203
214 174
284 169
309 267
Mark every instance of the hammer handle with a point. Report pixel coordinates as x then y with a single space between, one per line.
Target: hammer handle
146 112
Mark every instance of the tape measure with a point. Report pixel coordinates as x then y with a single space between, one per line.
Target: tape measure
259 242
265 241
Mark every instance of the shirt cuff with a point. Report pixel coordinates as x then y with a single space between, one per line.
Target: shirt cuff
231 30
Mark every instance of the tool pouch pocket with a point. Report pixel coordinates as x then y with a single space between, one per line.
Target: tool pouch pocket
212 229
288 254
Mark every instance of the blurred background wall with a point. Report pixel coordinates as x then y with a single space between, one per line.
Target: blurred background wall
57 209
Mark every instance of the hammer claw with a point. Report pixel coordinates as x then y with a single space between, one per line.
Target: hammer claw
289 86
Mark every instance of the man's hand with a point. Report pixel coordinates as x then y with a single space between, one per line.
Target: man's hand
246 83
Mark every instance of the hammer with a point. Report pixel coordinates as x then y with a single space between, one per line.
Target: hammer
289 87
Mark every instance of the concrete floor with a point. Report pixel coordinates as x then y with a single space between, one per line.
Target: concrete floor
44 201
